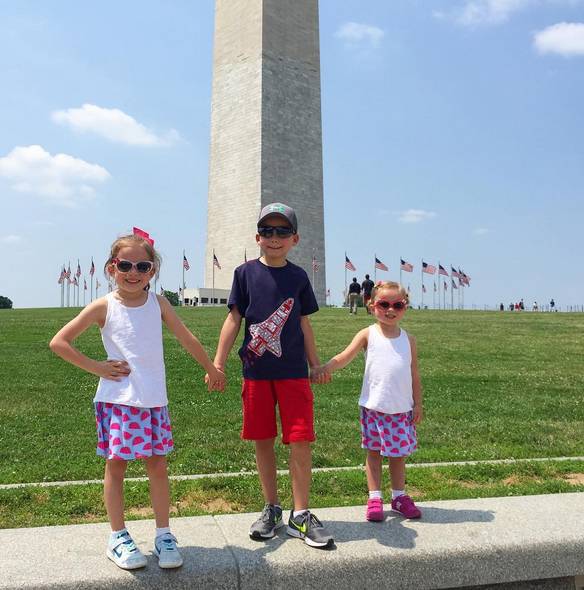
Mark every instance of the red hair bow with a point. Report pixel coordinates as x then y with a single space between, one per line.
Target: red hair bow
140 232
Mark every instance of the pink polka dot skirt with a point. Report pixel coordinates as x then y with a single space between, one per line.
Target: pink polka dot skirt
392 435
128 432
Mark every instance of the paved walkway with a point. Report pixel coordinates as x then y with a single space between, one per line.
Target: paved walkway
456 544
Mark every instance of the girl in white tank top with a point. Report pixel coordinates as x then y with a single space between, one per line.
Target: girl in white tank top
391 396
131 404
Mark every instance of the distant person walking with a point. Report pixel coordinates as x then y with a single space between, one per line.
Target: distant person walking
552 305
367 286
501 307
354 295
535 306
391 397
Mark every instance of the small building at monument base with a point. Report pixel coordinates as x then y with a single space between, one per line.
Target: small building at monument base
204 296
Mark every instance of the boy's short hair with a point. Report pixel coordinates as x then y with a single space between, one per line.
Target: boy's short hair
279 210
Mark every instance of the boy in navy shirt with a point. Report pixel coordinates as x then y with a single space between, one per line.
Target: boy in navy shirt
275 298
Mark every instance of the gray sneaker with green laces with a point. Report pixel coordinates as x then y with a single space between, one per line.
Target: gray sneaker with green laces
306 526
265 526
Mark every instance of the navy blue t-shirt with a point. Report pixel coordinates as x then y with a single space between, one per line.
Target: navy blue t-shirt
272 301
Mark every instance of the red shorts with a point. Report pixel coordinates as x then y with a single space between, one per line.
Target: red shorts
295 402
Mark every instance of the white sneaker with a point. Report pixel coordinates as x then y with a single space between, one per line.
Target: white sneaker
123 552
167 551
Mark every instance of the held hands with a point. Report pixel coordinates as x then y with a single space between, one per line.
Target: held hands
320 375
215 379
113 370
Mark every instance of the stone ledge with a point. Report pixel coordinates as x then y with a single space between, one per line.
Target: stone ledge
456 544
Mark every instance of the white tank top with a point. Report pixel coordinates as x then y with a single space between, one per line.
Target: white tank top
387 381
134 334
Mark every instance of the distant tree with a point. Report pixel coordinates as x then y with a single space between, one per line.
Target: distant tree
5 303
172 296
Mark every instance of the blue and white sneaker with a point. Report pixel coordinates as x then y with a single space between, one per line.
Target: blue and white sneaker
167 551
122 550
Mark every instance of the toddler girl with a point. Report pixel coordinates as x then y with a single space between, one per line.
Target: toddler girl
391 396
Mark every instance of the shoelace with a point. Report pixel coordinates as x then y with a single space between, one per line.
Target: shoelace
311 519
168 543
267 512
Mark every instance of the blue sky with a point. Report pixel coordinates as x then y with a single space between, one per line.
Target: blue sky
453 131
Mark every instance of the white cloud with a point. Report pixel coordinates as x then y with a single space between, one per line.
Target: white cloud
475 13
481 231
415 215
359 34
113 124
566 39
62 179
10 239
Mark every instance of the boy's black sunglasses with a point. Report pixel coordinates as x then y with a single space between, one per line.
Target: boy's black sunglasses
267 231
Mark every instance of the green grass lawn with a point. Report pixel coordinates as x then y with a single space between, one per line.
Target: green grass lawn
496 385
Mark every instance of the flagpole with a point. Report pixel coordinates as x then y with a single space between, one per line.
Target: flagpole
63 287
346 295
213 291
439 285
183 279
400 270
374 268
91 281
451 289
434 296
422 284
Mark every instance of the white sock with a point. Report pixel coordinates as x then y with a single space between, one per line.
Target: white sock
397 493
297 512
374 494
115 534
162 531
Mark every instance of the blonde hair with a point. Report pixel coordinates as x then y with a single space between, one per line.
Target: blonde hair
381 285
133 240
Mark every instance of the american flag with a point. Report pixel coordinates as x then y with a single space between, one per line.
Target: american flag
216 262
428 268
348 264
78 273
423 288
314 264
442 270
92 269
74 281
328 292
380 265
186 264
454 272
454 284
406 265
61 276
445 286
68 273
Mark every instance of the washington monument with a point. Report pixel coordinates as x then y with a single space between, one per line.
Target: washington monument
266 133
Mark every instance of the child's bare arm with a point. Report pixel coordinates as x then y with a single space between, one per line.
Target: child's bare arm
416 383
62 343
190 343
227 337
342 359
316 375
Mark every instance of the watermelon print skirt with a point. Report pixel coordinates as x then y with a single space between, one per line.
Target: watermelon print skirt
391 435
128 432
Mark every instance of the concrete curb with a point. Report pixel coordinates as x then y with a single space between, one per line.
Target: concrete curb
456 544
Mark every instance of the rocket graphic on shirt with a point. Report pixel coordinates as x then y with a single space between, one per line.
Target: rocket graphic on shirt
266 334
